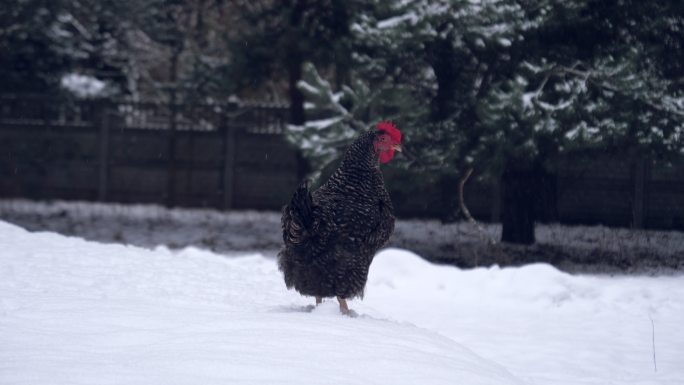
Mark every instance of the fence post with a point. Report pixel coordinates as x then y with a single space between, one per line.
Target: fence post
171 162
103 153
228 177
495 214
639 199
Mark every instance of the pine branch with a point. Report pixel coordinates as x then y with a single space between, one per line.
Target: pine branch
596 79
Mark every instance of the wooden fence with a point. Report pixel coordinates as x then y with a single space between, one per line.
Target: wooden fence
226 156
621 191
235 156
595 188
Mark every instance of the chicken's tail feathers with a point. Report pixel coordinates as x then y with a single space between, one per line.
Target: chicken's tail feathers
298 217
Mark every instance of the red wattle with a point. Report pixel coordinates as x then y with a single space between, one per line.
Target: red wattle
386 156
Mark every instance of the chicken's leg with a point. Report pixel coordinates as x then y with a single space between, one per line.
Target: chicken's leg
319 300
343 305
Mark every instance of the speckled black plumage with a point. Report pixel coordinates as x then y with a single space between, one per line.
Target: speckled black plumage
332 234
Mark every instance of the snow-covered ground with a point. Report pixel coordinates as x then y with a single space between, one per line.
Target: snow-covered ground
543 325
79 312
74 312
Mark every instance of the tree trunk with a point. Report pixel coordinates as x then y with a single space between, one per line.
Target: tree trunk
444 66
294 62
296 97
547 196
518 185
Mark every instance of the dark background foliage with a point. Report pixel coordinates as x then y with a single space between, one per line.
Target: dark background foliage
513 89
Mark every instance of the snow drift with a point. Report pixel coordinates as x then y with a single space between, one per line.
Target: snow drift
76 312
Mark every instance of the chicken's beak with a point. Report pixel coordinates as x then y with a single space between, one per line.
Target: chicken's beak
396 147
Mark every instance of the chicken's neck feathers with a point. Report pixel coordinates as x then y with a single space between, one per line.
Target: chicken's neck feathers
359 170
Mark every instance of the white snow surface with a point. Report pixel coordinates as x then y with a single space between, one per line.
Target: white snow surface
79 312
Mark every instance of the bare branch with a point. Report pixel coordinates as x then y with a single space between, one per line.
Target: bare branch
466 212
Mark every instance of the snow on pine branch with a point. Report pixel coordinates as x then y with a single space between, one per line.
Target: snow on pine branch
83 86
330 127
584 99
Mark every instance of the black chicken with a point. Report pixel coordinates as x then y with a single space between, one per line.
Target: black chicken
332 234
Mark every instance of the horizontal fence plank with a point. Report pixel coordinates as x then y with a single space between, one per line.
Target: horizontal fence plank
137 179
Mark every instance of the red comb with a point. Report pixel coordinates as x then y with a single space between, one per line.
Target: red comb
390 129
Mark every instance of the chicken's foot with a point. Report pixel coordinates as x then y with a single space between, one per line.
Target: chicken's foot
343 305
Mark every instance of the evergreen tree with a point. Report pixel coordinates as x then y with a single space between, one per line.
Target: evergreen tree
31 59
512 84
278 37
586 80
